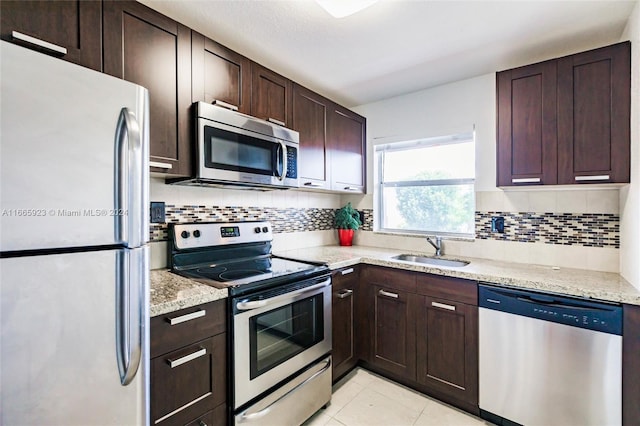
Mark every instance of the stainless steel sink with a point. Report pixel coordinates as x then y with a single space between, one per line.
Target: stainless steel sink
431 260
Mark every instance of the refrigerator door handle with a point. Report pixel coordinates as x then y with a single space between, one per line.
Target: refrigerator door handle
131 276
129 181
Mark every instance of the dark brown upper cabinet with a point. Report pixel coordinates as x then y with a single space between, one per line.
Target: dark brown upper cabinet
594 104
149 49
309 118
270 95
219 74
72 25
346 144
526 113
567 120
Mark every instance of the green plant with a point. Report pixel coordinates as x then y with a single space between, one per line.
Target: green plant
347 218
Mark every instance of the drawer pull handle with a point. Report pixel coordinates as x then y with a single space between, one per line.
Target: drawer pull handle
182 360
345 293
388 294
185 406
346 271
226 105
54 48
313 185
350 188
278 122
525 180
443 306
187 317
160 165
591 178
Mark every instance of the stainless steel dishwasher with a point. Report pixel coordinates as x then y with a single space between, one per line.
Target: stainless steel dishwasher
549 360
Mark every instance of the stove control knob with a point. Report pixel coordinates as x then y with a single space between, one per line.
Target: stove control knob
185 234
257 230
196 233
265 229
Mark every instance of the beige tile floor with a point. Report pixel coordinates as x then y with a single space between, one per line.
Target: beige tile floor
363 398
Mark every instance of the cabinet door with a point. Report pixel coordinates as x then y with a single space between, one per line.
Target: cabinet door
188 382
346 143
219 74
344 358
72 25
394 339
149 49
270 95
526 116
447 346
309 118
393 333
594 98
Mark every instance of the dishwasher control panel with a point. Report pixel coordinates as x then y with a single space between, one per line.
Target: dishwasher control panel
570 311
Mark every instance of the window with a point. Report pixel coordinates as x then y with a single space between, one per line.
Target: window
426 186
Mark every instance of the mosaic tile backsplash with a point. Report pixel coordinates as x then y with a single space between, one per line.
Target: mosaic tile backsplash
585 229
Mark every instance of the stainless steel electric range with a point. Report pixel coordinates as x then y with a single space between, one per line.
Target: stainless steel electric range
279 318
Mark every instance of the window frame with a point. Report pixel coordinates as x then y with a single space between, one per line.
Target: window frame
380 184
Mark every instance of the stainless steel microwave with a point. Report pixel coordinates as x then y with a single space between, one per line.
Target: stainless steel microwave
237 149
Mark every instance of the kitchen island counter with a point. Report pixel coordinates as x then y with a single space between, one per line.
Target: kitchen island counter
606 286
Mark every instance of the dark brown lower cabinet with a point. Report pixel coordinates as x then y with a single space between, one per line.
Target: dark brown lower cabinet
392 303
422 331
447 348
345 292
189 378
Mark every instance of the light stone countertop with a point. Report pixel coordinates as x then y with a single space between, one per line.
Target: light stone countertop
605 286
171 292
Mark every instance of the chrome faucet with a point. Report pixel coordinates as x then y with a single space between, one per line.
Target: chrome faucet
437 245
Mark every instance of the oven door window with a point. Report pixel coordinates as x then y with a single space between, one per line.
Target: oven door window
232 151
282 333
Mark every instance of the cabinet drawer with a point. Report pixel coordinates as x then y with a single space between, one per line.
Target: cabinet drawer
345 278
189 381
215 417
390 278
464 291
177 329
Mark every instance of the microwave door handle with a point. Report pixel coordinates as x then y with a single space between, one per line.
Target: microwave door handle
282 160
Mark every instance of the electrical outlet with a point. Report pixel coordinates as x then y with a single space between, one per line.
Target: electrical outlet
497 224
157 212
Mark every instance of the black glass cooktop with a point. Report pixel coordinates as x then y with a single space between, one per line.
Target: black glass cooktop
257 272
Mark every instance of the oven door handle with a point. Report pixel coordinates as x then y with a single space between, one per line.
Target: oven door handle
255 304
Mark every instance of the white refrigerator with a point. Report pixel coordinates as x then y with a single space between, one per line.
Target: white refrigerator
74 278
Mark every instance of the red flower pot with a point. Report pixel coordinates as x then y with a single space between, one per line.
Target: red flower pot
345 236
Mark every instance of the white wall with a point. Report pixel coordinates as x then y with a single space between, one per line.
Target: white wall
458 107
630 195
444 110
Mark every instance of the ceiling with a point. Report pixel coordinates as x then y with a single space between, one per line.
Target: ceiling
399 46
